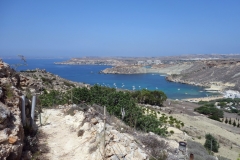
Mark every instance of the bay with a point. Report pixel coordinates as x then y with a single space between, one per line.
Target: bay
90 74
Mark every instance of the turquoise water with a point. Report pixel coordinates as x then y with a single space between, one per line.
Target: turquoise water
90 74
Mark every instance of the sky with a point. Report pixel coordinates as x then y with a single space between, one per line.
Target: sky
119 27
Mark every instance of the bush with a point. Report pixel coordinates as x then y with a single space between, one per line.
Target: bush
210 110
149 97
155 146
211 143
8 91
115 102
199 151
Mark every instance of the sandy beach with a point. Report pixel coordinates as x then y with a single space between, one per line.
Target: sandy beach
203 98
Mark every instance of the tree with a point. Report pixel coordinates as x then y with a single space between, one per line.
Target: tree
234 123
226 121
230 121
211 143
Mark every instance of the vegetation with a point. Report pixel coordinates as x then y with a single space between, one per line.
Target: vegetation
198 150
46 80
226 104
211 143
149 97
115 101
210 110
159 149
8 90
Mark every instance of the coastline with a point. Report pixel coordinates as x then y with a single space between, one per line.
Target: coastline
209 98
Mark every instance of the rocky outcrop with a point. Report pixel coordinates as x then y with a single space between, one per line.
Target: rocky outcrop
89 128
11 129
38 80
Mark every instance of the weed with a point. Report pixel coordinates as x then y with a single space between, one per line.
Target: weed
8 90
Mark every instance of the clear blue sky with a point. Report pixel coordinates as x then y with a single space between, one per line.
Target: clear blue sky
118 27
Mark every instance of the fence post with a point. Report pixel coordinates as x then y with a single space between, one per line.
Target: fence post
23 111
33 109
104 132
191 156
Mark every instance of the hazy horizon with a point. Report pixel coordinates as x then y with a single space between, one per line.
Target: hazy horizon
118 28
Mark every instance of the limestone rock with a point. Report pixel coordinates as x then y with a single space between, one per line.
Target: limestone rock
80 132
4 112
11 129
94 121
3 136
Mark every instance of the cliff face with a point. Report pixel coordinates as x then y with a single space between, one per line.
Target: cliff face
11 129
224 74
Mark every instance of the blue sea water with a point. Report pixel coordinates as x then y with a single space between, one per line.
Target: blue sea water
90 74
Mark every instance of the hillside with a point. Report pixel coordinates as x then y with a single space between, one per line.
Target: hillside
217 74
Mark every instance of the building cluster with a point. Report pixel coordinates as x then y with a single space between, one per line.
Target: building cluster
231 94
149 62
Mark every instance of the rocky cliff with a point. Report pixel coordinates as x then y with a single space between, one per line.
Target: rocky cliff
217 74
11 128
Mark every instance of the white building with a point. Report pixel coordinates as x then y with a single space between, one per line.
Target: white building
231 94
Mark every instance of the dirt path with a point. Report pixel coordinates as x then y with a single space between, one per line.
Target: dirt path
62 141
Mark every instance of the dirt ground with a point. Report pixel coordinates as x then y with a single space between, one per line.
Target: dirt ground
62 142
227 135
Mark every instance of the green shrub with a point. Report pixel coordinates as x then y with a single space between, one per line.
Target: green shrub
115 101
8 91
211 143
210 110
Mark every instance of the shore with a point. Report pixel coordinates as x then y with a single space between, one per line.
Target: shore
203 98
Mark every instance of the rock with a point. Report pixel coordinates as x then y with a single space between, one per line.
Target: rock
12 139
94 121
3 136
4 112
80 132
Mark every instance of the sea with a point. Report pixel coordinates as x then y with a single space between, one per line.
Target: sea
89 74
